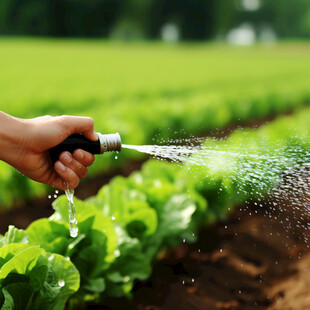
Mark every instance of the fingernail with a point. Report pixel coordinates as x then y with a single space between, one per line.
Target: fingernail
67 158
79 154
60 166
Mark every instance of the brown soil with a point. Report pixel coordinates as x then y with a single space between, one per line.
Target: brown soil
249 262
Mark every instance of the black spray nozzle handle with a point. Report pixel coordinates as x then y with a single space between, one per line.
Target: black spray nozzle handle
105 143
73 143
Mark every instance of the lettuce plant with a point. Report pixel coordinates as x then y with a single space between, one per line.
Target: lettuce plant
31 278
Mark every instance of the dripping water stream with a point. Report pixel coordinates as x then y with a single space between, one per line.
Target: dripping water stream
72 214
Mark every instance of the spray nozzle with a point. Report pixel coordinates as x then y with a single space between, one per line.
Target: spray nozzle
105 143
110 142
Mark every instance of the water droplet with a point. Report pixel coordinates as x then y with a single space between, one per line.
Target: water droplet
74 232
55 196
61 283
116 157
113 218
49 196
117 253
126 279
193 280
57 191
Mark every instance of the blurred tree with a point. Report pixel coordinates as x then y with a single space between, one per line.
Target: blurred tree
83 17
134 19
24 17
58 17
194 18
288 19
225 16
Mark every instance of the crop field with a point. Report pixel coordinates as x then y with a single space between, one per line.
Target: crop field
149 93
146 91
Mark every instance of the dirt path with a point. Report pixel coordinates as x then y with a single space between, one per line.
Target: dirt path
250 262
294 292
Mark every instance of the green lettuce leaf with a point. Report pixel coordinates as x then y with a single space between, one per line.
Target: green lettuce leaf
13 235
52 236
18 296
22 262
32 279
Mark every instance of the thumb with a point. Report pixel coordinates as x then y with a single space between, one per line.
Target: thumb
79 124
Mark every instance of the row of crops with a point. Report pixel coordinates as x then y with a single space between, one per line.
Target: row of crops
145 91
131 220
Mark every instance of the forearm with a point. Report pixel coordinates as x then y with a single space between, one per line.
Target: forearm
12 130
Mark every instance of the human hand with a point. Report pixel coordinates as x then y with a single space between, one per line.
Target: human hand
26 144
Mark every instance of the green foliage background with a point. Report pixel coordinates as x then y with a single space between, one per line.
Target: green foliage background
132 19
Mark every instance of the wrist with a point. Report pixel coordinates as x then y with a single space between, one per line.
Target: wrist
12 130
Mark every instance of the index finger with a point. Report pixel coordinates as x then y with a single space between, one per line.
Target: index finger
80 124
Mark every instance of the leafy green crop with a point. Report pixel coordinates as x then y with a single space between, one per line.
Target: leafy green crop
31 278
123 229
145 91
92 252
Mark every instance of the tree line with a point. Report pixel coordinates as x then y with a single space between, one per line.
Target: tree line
195 19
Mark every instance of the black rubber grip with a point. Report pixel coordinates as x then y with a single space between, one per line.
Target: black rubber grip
72 143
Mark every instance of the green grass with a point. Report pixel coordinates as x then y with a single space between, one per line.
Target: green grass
140 89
